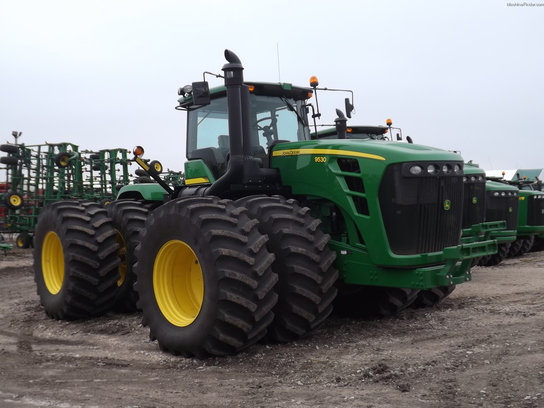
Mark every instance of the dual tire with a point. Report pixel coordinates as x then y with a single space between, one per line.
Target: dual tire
75 260
216 276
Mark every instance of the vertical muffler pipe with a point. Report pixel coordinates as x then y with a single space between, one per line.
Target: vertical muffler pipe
234 82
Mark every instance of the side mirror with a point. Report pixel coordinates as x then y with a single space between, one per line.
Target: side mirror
349 107
409 139
201 93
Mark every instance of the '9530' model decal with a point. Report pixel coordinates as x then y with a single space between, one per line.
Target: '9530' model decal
328 152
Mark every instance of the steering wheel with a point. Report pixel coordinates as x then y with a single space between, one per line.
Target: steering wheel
268 133
265 127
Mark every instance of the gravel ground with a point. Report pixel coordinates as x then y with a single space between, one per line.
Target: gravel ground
483 346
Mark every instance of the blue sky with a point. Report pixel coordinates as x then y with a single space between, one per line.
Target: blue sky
463 75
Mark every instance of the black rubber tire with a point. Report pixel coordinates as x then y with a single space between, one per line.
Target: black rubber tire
370 302
156 166
495 259
304 264
96 167
61 159
9 160
106 201
77 242
538 245
432 297
141 173
94 156
526 245
23 240
143 179
13 200
128 217
7 148
231 304
514 248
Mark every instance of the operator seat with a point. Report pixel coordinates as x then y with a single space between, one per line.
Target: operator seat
213 158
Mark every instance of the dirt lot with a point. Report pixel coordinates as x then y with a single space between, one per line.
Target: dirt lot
484 346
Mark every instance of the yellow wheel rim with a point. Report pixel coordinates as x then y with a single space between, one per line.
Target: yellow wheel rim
52 263
64 161
15 200
157 167
19 241
122 253
178 283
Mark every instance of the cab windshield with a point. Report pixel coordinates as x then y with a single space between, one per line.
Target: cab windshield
272 118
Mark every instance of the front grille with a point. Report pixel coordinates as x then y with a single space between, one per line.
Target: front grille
535 211
474 201
421 214
502 208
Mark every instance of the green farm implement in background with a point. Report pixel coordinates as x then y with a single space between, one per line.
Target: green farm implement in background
37 175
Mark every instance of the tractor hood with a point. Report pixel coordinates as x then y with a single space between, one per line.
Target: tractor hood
386 151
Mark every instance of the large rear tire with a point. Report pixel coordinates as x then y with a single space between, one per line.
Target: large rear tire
128 217
75 260
370 302
304 264
204 277
432 297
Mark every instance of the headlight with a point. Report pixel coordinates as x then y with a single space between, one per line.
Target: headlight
416 170
496 194
446 168
432 169
457 169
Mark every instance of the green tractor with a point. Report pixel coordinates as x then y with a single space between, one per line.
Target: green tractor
479 223
269 228
530 222
495 203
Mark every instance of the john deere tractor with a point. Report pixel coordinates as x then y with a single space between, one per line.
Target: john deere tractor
267 228
474 227
495 203
530 222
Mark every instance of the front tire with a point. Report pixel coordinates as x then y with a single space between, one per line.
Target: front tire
526 245
514 248
204 277
538 245
495 259
75 260
304 264
370 302
432 297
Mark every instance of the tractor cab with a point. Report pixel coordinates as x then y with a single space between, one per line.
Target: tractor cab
275 109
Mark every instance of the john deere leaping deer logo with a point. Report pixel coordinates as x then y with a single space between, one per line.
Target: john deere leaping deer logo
474 200
447 205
